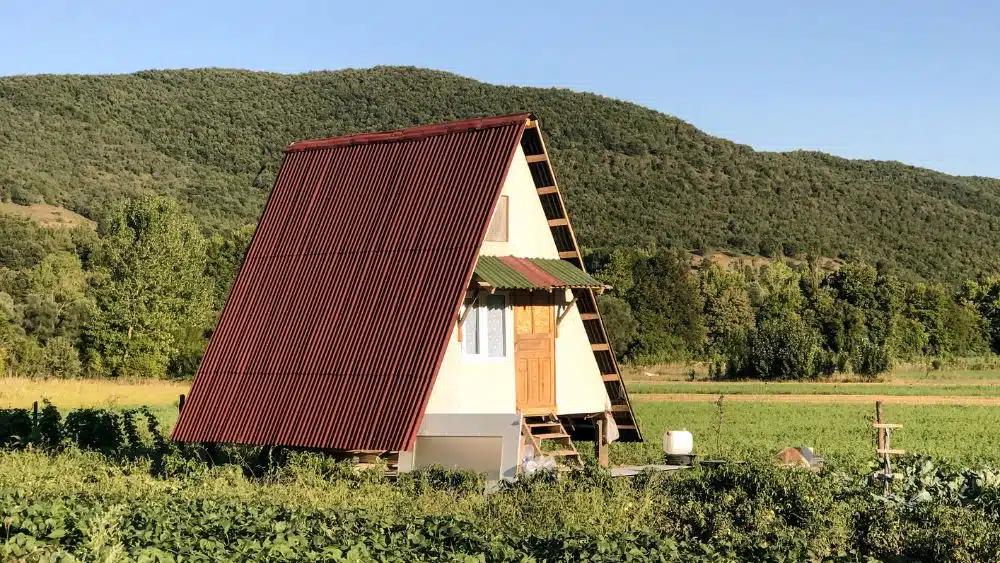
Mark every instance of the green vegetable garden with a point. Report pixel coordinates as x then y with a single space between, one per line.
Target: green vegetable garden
99 485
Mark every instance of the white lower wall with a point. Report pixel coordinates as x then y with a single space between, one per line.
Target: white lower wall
467 385
485 443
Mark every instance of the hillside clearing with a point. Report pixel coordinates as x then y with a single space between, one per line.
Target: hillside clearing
49 216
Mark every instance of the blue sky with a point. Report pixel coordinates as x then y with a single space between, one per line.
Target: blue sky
912 81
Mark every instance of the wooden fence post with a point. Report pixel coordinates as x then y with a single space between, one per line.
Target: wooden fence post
880 433
601 442
180 403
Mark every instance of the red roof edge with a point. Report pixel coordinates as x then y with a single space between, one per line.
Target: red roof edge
412 133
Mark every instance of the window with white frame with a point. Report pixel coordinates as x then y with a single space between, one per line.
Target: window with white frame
484 333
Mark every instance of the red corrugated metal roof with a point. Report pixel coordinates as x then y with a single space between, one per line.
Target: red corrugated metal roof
338 320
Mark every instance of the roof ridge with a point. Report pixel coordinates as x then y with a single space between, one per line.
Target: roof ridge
410 133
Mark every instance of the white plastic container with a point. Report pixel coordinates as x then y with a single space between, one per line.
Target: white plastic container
678 442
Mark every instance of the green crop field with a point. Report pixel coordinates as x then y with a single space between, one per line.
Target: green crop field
841 433
147 499
815 388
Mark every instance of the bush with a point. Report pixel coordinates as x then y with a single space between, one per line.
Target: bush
15 427
59 358
95 429
871 359
783 348
438 478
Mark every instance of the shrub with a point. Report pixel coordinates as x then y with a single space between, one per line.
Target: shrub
15 427
871 359
60 358
95 429
783 348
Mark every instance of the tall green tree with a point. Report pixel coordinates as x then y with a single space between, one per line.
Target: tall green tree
225 255
619 322
667 303
867 301
729 316
617 270
55 300
150 287
984 295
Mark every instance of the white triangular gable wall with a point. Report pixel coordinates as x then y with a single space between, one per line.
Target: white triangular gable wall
469 386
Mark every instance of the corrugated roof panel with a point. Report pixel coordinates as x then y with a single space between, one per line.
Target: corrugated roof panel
337 322
510 272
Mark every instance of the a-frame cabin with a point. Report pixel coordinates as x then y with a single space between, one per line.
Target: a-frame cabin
416 294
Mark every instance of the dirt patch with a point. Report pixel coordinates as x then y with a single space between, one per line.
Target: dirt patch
48 216
819 399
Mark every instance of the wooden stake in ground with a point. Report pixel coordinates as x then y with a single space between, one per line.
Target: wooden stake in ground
883 447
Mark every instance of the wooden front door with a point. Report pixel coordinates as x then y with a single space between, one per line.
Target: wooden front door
534 352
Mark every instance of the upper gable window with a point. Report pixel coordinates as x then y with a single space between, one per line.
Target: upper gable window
497 231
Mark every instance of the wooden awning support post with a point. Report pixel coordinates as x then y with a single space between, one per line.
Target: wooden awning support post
566 308
465 313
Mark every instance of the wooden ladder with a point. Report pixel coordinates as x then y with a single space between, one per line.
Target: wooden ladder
547 430
533 145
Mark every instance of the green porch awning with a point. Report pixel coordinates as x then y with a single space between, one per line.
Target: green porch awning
509 272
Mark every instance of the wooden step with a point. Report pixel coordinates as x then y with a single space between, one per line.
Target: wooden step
589 316
600 347
541 424
563 453
551 436
545 190
536 157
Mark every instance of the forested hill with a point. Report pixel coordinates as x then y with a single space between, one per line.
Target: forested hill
213 138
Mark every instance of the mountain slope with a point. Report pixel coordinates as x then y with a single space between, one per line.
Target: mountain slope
632 176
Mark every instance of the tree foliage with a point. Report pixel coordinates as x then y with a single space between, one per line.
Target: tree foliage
667 305
151 287
193 153
633 177
783 321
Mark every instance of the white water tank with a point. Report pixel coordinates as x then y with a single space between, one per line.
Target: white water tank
678 442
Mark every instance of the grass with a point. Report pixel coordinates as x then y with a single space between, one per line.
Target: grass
840 433
968 377
961 370
159 395
815 388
